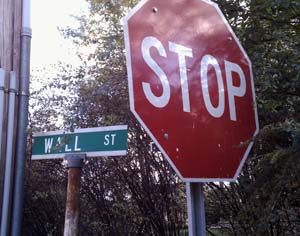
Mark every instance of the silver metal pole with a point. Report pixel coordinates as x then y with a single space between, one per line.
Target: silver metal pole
17 210
9 157
196 211
2 159
2 89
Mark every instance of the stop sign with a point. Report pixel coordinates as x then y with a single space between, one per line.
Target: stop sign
191 87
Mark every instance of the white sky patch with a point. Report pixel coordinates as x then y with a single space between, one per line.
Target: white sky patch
48 46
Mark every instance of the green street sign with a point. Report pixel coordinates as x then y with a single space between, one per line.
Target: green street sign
94 142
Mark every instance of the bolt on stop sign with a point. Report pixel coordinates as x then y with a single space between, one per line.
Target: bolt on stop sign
191 87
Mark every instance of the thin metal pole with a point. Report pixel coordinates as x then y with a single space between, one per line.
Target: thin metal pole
2 159
196 210
75 163
2 89
21 142
6 206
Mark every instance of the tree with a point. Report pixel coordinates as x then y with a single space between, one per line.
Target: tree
264 199
136 195
151 197
140 194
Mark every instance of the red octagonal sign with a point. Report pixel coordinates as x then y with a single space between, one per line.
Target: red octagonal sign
191 87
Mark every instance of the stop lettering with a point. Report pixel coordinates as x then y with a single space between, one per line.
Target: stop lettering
206 61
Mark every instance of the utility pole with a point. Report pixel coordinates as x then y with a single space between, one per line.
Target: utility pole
10 66
19 174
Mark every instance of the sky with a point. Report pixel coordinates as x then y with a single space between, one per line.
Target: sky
48 46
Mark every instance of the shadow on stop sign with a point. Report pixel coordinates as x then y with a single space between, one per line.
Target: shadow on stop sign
191 87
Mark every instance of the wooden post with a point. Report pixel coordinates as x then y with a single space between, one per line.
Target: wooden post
75 163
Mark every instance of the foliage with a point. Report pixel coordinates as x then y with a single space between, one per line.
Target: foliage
53 94
136 195
140 194
264 200
45 196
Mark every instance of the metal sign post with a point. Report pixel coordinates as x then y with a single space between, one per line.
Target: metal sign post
196 211
75 162
74 147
